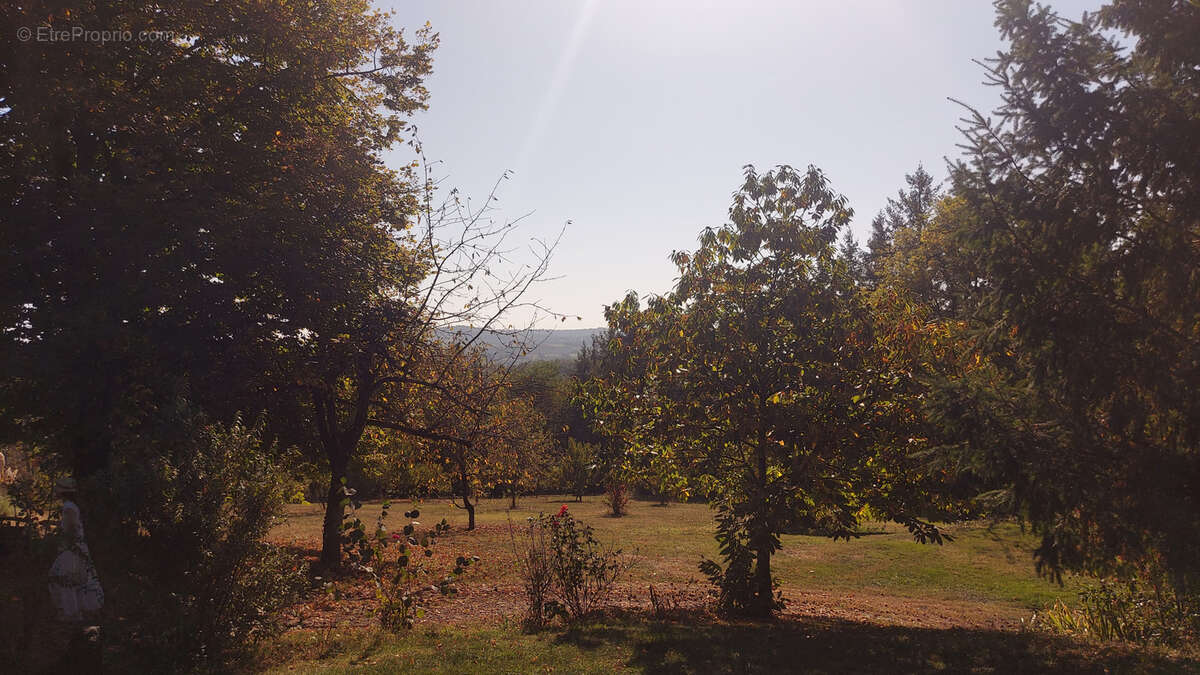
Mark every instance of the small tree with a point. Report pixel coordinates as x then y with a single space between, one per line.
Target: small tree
409 357
616 497
759 371
464 432
520 445
482 434
578 465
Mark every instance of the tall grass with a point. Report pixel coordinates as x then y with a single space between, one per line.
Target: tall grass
1132 611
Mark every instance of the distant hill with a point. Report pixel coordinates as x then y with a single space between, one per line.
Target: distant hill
550 344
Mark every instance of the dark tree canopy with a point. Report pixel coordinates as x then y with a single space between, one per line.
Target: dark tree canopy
175 212
1084 238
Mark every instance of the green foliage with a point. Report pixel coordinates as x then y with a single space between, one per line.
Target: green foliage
31 496
210 189
852 255
390 464
1077 225
401 581
895 229
28 546
519 446
657 469
1130 611
761 374
578 467
585 571
549 388
176 526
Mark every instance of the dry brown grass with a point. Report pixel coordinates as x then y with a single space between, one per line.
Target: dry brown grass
985 579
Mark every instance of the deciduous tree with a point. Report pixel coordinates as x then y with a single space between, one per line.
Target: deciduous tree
758 370
177 213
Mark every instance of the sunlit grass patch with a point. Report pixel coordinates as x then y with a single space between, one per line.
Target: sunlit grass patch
987 570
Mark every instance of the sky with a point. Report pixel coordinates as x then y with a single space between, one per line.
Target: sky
632 120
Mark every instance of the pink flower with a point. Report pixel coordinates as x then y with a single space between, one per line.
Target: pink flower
395 535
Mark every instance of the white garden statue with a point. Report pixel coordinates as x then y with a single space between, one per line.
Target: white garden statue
74 585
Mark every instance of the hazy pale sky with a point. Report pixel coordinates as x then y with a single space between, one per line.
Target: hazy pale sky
634 119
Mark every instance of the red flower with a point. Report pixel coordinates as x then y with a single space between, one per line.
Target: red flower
563 511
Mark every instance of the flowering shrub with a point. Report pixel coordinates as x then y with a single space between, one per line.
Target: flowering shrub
564 570
537 573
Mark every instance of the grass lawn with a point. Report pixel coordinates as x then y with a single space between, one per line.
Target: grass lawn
879 602
633 645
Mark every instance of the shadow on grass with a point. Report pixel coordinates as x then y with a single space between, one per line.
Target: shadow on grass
809 644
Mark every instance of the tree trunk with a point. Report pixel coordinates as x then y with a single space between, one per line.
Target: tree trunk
764 589
339 445
760 539
331 529
467 493
512 493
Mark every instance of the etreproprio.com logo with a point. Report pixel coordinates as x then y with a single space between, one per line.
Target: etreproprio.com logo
46 33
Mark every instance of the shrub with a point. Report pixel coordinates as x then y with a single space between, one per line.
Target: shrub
1136 610
27 549
585 571
176 525
564 570
616 498
534 564
400 580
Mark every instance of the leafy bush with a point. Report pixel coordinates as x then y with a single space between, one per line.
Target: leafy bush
1134 611
616 498
584 570
400 579
27 549
736 590
536 568
176 525
564 570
